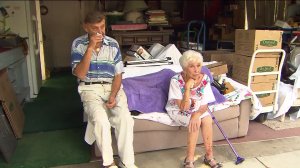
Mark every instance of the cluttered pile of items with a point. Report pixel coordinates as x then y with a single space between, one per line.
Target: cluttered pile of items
168 57
156 55
159 55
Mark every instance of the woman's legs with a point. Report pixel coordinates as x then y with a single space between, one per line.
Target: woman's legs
191 144
206 129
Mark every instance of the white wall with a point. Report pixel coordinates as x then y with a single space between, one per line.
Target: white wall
60 27
17 16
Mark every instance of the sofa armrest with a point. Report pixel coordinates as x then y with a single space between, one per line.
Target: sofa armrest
245 110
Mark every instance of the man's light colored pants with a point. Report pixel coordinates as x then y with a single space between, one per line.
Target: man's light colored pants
100 120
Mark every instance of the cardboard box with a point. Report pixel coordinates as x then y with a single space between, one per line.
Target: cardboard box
266 99
297 102
261 64
217 55
241 73
220 56
217 68
248 41
8 141
256 87
241 65
11 106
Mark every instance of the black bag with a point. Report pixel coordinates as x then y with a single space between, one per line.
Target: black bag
221 87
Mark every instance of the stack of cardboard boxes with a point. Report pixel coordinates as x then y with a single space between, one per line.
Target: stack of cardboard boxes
246 43
239 62
225 57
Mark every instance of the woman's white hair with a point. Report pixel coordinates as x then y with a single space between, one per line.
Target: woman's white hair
190 56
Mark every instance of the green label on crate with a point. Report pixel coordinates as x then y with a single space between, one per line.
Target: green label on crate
268 43
263 95
265 69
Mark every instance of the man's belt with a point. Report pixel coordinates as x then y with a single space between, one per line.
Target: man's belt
92 83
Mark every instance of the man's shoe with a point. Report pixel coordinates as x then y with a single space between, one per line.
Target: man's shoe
121 165
113 165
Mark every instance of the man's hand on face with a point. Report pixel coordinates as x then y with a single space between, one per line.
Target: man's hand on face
95 40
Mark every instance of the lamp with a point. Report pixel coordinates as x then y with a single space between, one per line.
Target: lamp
133 10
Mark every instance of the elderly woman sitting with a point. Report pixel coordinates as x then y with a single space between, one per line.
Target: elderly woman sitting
189 94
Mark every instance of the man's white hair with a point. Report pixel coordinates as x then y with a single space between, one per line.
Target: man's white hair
190 56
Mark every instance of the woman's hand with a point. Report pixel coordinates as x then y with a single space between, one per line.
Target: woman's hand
185 103
195 123
190 83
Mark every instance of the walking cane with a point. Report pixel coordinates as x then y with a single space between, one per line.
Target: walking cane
238 158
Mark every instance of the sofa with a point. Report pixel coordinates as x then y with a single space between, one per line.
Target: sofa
151 136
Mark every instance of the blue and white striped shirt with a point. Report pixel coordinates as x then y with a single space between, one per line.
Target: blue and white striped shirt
104 65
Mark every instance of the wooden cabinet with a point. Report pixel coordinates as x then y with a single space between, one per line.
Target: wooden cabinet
15 62
142 37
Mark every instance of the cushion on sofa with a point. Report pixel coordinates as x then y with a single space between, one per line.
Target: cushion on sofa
225 114
221 115
146 125
228 113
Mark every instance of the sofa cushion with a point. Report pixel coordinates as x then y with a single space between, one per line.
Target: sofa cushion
228 113
147 125
225 114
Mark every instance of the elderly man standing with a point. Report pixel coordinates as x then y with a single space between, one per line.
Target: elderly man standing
97 62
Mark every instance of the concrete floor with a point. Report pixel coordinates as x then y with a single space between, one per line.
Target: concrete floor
277 153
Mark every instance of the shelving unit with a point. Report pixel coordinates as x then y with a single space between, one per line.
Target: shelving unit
142 37
273 108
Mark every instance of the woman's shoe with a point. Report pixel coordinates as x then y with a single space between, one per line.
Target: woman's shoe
188 164
212 163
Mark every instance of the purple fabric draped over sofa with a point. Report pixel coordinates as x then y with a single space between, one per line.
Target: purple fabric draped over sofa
149 93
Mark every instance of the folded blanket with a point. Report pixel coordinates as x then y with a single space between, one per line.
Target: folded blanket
149 93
